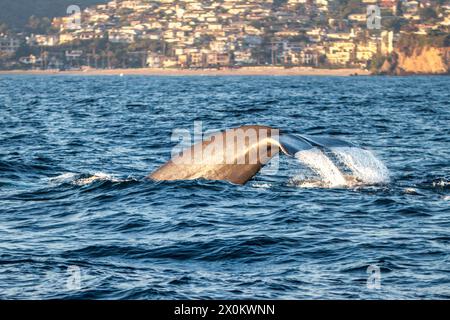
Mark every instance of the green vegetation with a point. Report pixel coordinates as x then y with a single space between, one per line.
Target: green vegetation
38 25
99 53
394 23
347 7
279 3
376 63
409 42
4 29
313 34
428 14
16 13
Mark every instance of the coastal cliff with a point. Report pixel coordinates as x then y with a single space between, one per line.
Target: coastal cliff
425 60
416 58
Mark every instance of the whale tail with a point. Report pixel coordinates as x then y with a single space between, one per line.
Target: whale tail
290 144
238 154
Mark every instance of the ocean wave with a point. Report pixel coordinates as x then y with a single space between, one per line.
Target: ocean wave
85 179
438 184
441 183
214 250
79 197
410 190
260 185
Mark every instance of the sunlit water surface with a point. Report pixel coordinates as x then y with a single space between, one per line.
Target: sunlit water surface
78 219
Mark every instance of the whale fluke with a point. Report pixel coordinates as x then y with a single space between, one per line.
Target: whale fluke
326 142
234 155
291 144
237 154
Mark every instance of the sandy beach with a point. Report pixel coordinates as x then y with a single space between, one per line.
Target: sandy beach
245 71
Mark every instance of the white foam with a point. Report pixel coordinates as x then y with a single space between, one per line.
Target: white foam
79 180
98 176
307 184
441 183
330 175
365 166
352 167
410 191
63 178
261 185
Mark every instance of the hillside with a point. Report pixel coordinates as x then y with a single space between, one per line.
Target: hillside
419 55
15 13
427 60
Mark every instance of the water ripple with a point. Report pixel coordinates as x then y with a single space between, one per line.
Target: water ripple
75 153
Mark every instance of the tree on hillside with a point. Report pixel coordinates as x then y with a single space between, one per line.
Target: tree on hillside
38 25
17 12
4 28
347 7
428 14
394 23
398 9
279 3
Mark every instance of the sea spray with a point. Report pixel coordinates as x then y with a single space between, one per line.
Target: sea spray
323 166
84 179
363 164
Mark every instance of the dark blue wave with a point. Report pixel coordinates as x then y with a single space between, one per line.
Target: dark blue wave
75 153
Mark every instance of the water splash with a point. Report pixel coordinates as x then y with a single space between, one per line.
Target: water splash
62 178
340 167
84 179
329 173
363 164
412 191
98 176
261 185
441 183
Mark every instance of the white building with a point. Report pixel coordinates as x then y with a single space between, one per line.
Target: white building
9 45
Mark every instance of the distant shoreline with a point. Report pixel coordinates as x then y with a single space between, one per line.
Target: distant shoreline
244 71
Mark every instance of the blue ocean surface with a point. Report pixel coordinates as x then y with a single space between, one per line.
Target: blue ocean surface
80 220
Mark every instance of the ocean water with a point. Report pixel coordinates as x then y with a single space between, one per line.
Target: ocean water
79 219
